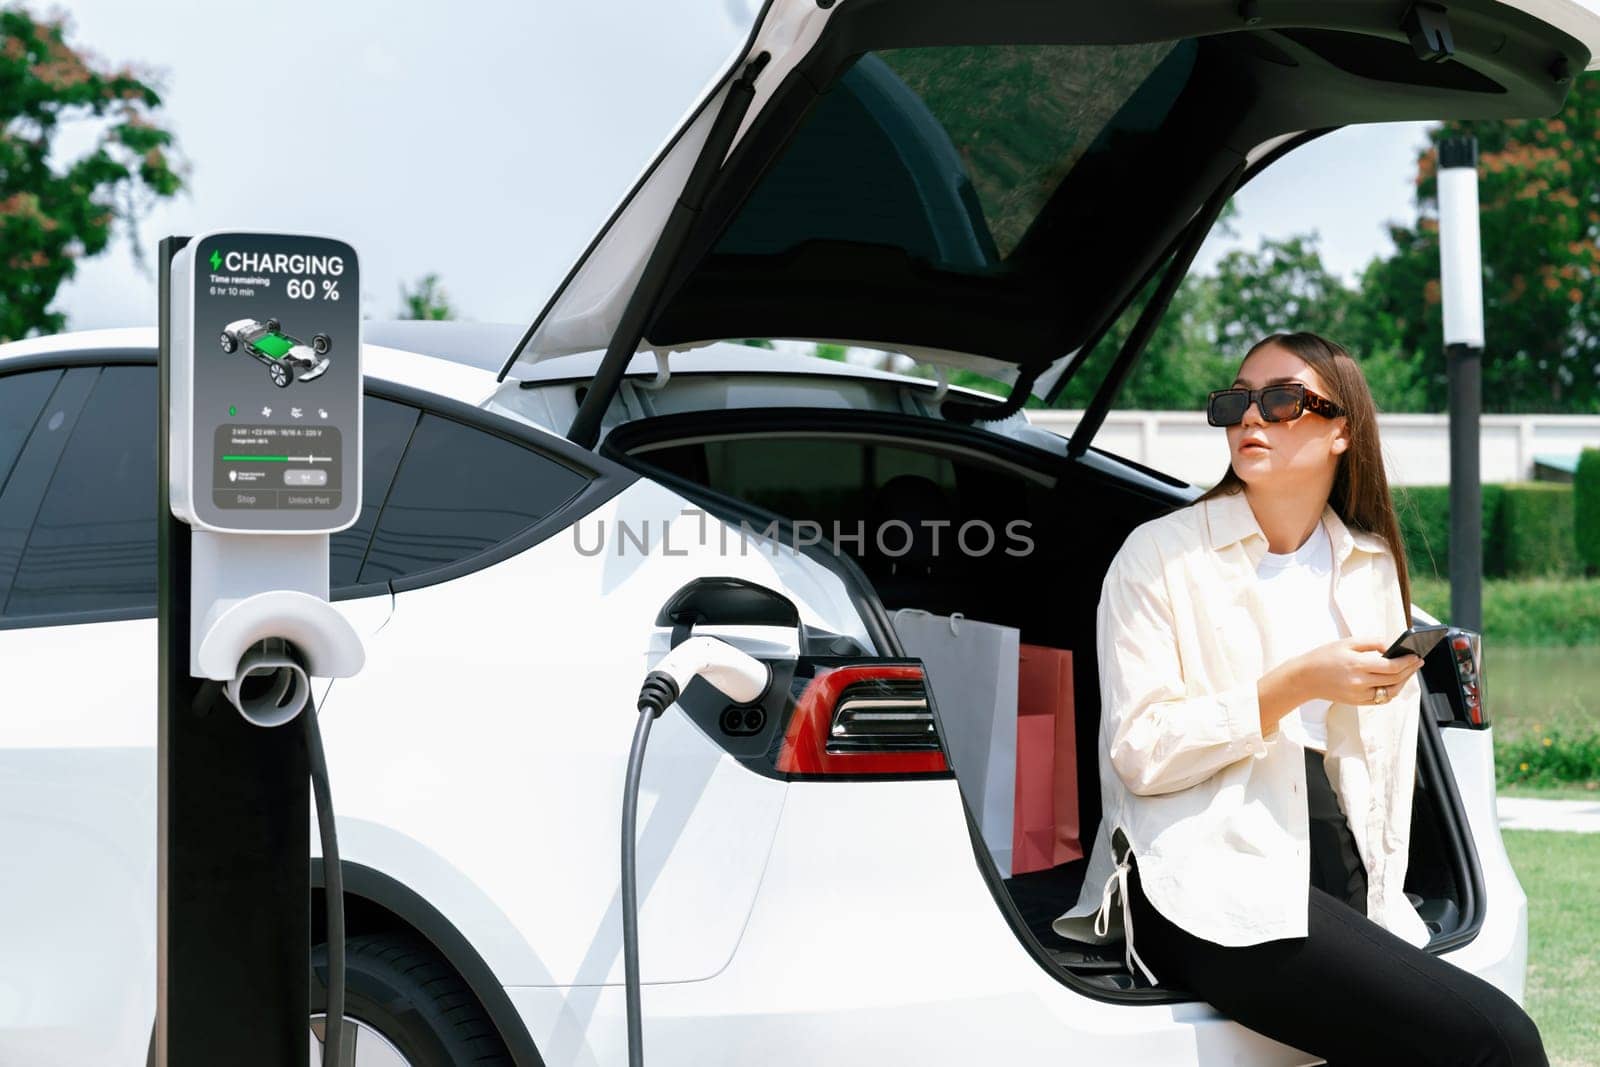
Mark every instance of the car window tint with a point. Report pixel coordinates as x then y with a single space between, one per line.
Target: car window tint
91 541
952 153
386 427
22 396
459 491
820 480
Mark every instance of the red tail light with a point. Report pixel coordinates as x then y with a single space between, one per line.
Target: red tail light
1466 650
865 719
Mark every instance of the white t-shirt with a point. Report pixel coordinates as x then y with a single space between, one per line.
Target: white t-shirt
1297 588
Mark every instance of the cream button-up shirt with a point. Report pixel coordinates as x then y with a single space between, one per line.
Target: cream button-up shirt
1214 811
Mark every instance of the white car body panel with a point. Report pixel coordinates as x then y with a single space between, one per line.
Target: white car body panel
1499 954
540 708
875 940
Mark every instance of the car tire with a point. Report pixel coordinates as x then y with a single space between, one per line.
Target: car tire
230 343
400 989
282 374
272 325
321 343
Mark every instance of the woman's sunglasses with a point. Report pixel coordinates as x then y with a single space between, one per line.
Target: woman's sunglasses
1279 403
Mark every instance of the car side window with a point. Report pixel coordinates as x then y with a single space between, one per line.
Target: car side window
22 397
461 490
25 411
78 494
386 430
91 545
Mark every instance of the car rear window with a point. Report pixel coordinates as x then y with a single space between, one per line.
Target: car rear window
962 174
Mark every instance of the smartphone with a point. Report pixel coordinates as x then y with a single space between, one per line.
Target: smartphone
1418 639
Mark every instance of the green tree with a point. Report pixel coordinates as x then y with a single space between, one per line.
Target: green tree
1539 194
1178 365
425 300
1280 286
54 214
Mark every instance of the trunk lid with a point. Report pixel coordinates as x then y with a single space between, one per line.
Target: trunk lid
985 185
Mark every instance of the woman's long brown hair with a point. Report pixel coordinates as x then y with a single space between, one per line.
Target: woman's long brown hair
1360 492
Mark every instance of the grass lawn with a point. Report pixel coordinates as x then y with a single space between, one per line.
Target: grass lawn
1575 791
1559 872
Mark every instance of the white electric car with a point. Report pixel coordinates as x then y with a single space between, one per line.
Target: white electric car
547 510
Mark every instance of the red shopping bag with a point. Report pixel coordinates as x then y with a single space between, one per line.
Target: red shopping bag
1045 827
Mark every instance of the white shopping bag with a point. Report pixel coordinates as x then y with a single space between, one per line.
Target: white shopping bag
972 669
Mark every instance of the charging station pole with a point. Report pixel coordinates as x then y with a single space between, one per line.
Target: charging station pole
253 477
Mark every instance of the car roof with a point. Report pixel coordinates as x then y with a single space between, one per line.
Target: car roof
453 357
442 377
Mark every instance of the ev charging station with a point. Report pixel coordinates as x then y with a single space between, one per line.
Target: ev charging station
260 462
259 457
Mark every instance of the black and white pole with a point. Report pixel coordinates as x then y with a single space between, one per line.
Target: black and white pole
1461 284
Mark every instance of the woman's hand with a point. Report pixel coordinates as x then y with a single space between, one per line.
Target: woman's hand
1348 671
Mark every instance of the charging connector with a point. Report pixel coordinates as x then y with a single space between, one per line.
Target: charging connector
743 679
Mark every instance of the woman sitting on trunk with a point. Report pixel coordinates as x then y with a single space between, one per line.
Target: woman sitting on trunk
1257 750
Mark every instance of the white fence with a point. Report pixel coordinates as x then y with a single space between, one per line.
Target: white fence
1416 448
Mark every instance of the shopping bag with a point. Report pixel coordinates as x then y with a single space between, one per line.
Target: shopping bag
972 670
1045 823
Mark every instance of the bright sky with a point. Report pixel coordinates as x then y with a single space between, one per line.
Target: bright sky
486 140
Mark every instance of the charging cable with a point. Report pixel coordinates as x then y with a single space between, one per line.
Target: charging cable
332 889
744 680
271 686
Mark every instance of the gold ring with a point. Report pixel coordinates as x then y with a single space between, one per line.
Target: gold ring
1382 693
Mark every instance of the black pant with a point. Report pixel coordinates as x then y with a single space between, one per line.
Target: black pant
1349 991
1336 866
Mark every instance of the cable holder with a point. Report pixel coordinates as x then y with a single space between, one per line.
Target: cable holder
241 635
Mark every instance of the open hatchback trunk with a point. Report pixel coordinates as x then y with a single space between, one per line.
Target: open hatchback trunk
847 467
985 185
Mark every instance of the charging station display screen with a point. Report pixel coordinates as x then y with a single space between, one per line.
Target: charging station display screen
274 347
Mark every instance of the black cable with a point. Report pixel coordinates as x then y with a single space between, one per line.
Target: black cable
657 693
630 882
333 888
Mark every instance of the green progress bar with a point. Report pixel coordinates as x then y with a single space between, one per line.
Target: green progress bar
259 459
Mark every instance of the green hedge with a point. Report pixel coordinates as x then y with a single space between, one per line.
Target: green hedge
1534 534
1548 760
1529 529
1424 514
1586 507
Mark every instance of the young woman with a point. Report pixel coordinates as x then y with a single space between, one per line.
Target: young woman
1257 750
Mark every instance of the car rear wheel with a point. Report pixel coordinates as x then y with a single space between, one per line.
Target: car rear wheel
321 343
272 325
229 342
282 374
409 1007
